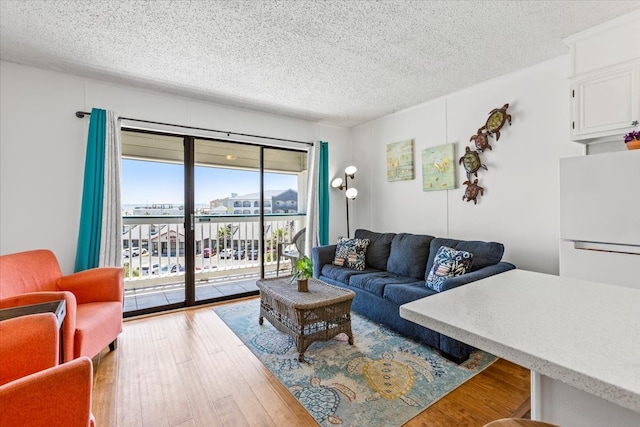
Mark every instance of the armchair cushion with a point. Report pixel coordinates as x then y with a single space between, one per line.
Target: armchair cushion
92 330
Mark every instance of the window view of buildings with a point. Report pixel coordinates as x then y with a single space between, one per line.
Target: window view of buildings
275 201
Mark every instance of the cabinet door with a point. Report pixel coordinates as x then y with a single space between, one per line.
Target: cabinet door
606 102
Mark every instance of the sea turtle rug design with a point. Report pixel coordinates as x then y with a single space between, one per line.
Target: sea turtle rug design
389 378
272 342
322 401
369 384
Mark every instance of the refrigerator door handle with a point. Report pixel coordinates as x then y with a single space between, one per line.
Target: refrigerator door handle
606 247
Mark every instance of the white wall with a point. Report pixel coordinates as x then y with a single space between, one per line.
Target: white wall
520 207
42 147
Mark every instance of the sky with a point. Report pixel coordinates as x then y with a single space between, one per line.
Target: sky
154 182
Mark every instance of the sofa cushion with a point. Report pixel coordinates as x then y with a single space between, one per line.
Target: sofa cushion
378 249
409 254
484 253
351 253
406 292
342 274
448 263
376 282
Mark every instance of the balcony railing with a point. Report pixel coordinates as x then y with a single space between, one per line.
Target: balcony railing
154 246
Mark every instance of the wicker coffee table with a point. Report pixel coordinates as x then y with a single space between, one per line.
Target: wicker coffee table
317 315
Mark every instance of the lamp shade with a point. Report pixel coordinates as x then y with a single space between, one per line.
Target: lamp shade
351 170
336 182
351 193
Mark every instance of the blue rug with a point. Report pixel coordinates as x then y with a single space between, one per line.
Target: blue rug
382 380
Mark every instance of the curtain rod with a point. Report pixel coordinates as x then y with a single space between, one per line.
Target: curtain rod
82 114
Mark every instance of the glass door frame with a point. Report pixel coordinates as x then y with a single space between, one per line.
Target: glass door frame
189 165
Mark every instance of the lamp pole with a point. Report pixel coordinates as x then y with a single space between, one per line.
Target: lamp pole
350 193
346 199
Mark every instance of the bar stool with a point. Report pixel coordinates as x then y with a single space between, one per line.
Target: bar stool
518 422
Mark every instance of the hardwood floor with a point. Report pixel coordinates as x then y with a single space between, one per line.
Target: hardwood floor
187 368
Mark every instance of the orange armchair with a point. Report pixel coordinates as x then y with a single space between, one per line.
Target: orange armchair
33 390
94 298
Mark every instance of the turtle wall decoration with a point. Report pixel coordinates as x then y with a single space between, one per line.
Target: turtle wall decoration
471 158
497 119
471 193
480 140
471 162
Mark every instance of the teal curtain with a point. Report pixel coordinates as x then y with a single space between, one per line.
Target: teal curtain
323 194
88 250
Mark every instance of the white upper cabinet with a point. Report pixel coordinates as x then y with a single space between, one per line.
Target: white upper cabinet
605 80
605 102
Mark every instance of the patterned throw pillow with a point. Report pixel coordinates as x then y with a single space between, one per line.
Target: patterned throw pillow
448 263
351 253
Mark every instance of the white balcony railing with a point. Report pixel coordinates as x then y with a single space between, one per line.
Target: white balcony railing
154 246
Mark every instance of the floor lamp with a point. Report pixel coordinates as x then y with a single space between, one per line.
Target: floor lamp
350 193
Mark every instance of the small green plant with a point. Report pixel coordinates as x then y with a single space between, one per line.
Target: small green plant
304 269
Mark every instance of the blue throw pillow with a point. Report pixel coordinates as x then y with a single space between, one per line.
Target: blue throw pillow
484 253
351 253
448 263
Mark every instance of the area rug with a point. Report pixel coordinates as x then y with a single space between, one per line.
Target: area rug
383 380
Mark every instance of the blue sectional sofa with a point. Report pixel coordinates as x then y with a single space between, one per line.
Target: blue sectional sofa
396 269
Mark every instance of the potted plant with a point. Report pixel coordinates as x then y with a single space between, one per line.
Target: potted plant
632 140
304 270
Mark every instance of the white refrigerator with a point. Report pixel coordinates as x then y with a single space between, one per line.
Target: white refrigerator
600 218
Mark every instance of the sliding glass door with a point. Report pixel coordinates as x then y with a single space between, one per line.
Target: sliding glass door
204 218
153 220
227 228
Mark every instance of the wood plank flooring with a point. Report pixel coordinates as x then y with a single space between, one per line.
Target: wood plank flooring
187 368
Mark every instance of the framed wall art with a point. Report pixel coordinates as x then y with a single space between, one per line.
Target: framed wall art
400 161
438 168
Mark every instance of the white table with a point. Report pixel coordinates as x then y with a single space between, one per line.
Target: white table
581 340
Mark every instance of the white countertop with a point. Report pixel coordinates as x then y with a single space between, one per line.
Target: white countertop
582 333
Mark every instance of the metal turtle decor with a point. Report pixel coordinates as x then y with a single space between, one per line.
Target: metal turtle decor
497 119
481 141
323 400
391 379
471 193
471 158
471 162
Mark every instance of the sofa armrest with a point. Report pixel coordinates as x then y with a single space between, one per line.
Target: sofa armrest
60 395
483 273
95 285
321 255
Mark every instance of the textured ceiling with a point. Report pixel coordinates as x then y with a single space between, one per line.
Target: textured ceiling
334 62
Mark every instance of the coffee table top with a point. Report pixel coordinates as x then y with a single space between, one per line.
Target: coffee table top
320 294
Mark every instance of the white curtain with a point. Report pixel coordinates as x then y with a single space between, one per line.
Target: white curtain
311 237
111 231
